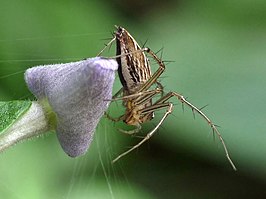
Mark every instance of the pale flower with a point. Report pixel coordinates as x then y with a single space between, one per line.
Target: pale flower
78 93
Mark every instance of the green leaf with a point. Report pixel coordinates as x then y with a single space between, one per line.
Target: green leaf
10 111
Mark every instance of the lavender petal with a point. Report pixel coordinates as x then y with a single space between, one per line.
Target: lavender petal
77 93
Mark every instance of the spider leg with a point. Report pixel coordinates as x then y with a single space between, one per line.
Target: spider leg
107 114
160 86
108 44
182 99
115 95
139 94
148 136
131 132
156 74
114 119
118 93
141 100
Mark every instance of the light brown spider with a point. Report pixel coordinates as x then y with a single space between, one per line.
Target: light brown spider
137 91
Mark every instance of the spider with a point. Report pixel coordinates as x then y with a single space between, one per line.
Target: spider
138 89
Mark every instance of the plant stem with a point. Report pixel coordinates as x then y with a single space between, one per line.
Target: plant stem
31 124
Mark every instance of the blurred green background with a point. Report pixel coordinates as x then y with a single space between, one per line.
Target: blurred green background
219 54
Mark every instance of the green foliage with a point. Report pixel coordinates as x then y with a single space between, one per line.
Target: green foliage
218 49
11 111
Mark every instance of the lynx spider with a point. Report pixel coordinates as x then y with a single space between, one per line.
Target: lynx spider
136 78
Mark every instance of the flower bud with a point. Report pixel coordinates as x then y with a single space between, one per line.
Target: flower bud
78 94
